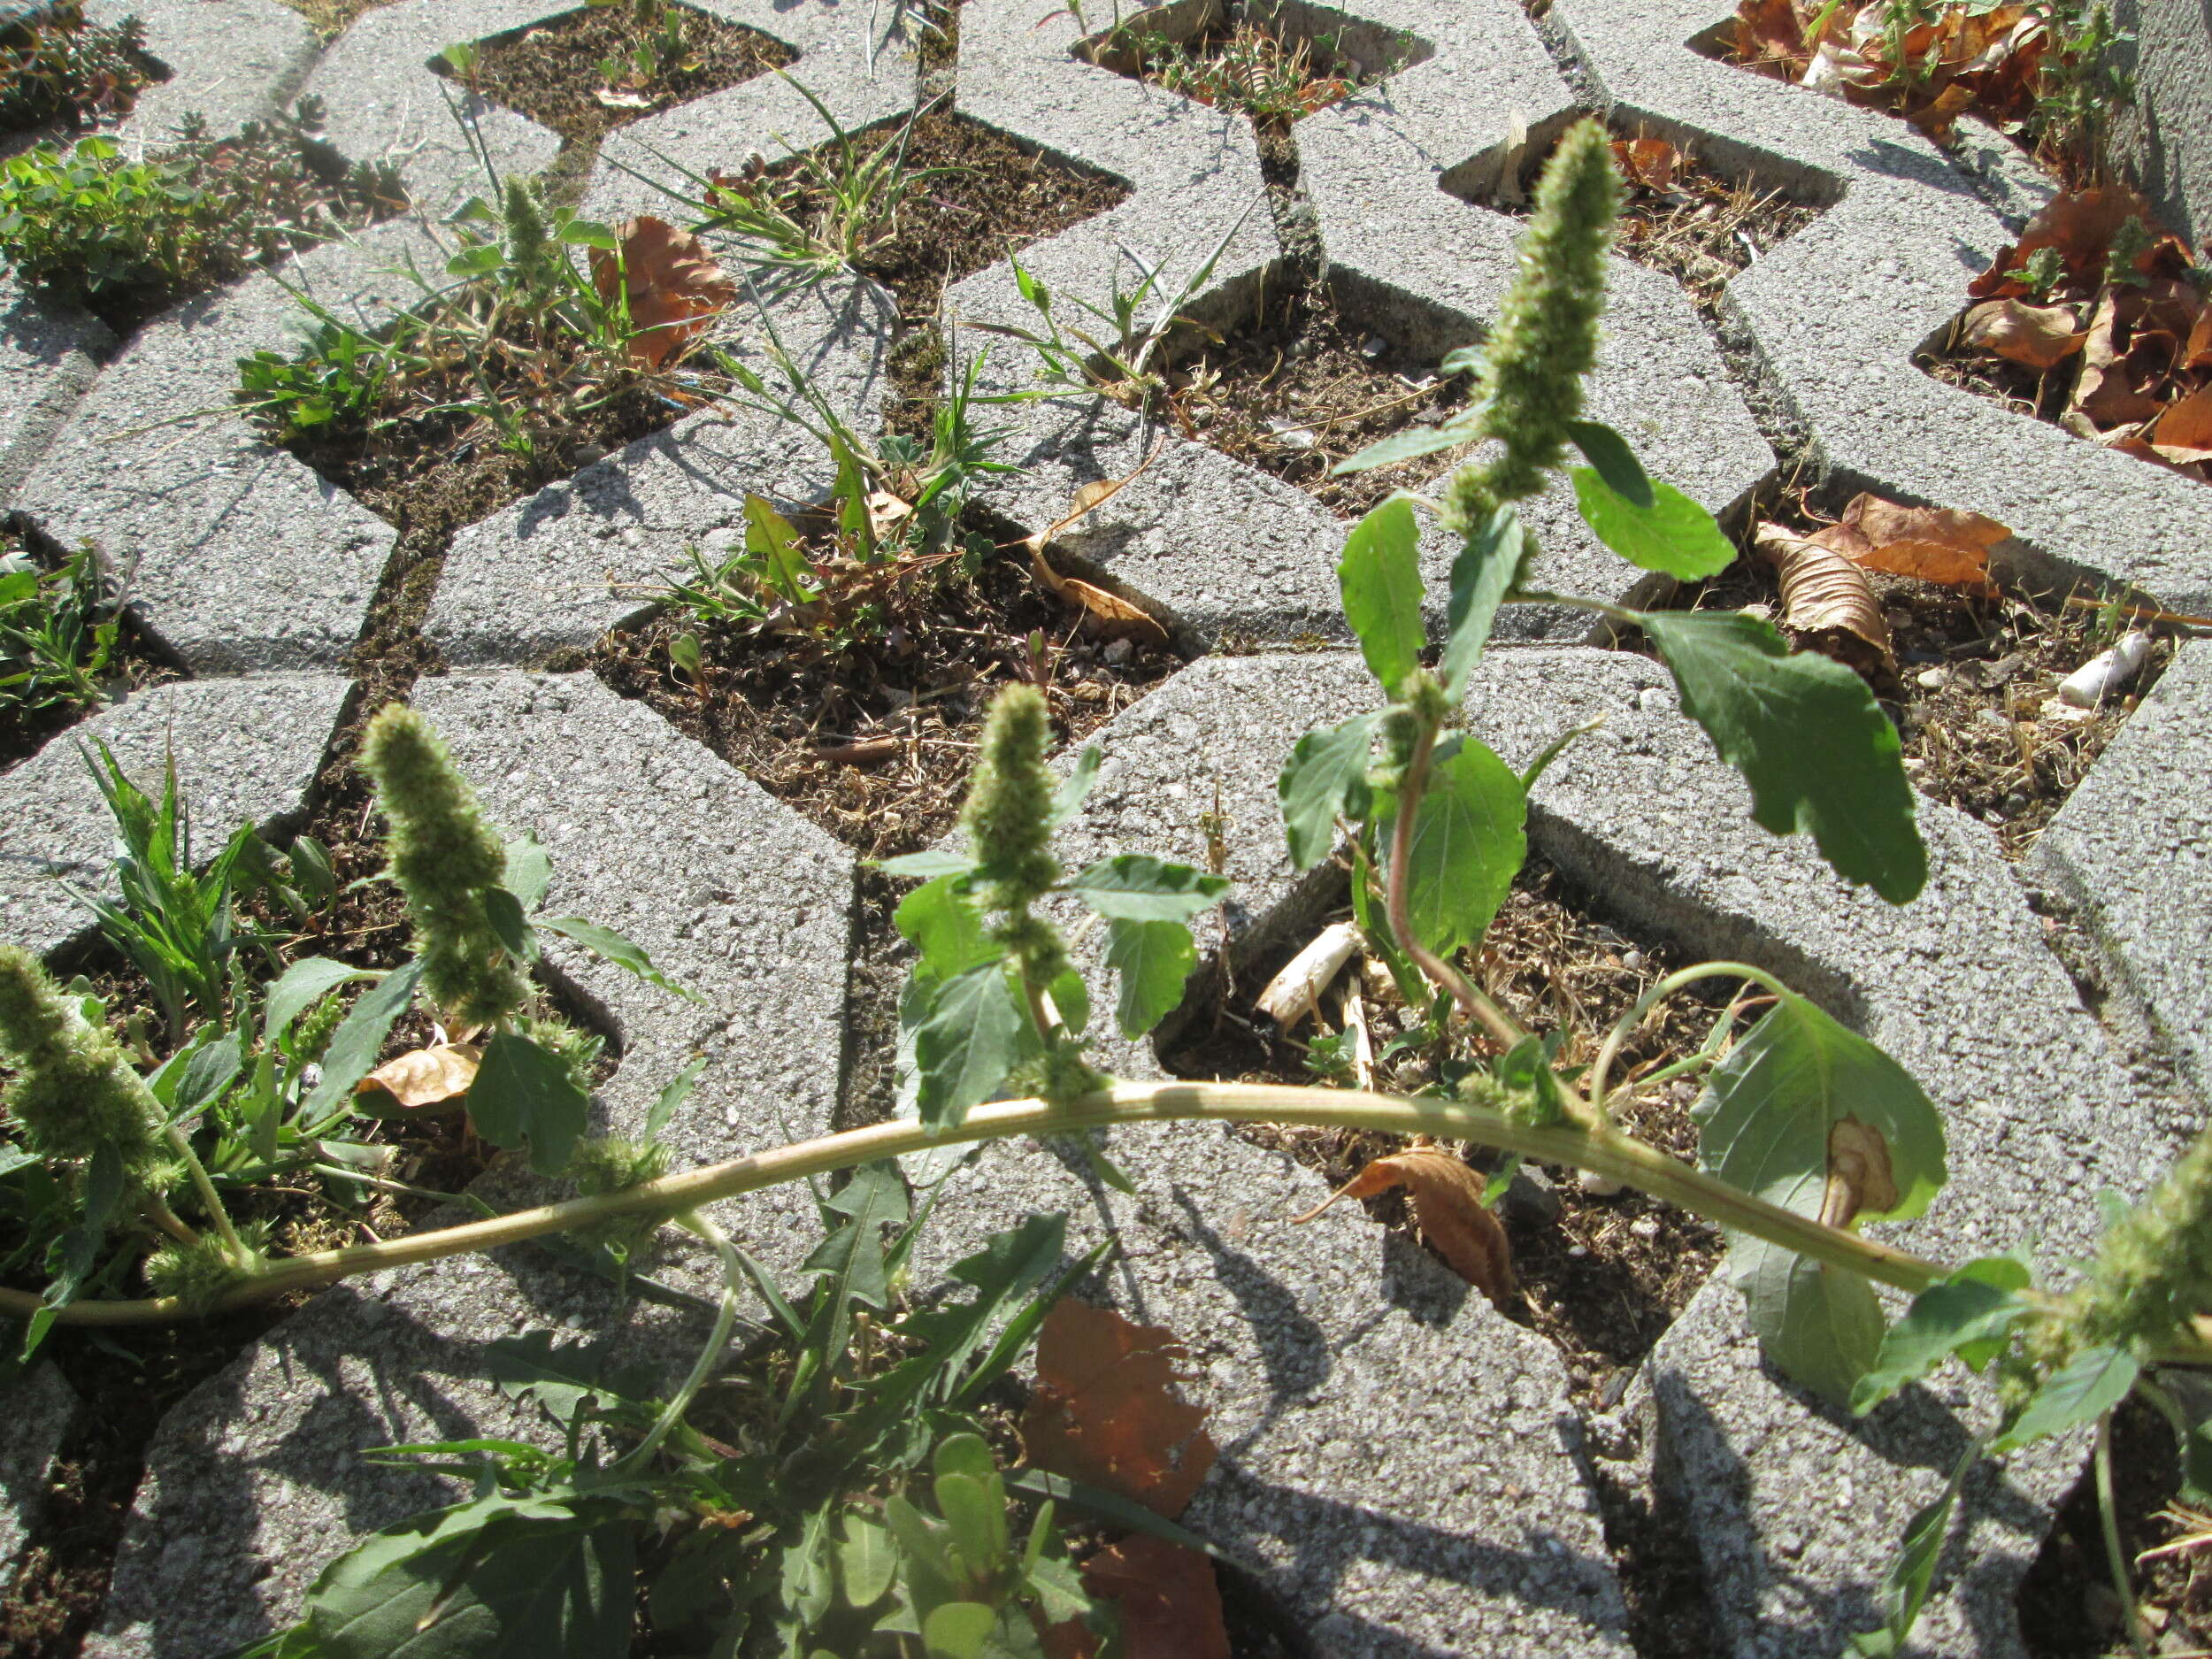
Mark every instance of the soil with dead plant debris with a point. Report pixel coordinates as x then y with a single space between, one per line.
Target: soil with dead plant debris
1974 695
1601 1276
134 665
2069 1608
1681 218
875 742
332 17
555 73
1258 61
1303 383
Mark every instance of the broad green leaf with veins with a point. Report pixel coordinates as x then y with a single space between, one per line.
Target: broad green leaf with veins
1153 959
1808 736
1380 577
1320 773
1468 844
1799 1096
1673 535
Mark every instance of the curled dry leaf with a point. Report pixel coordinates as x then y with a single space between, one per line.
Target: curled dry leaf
1169 1605
2104 395
423 1077
1932 544
1105 1409
1114 615
1826 595
673 283
2184 432
2077 224
1447 1202
2041 336
1648 162
1859 1174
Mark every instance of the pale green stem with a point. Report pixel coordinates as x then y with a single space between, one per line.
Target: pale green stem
2115 1554
1651 999
710 1356
210 1199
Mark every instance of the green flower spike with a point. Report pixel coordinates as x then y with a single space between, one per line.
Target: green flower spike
445 860
74 1091
2155 1271
1547 337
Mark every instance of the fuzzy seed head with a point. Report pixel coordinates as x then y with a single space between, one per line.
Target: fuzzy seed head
2154 1272
1008 812
74 1091
444 859
1547 336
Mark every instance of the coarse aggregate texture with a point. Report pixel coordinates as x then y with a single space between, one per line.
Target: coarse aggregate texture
2131 849
860 64
49 355
255 1481
229 62
39 1411
245 752
1399 1461
1838 311
734 896
385 102
560 567
158 470
2165 138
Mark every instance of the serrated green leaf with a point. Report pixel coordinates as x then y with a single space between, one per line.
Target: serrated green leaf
1468 844
1482 575
1767 1119
521 1093
1616 462
1808 736
1958 1316
519 1585
941 922
1154 960
1321 771
976 1029
1674 535
1380 577
1138 888
2081 1391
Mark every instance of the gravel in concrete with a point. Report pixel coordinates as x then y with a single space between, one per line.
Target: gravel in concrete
40 1411
246 751
234 555
2132 849
49 358
229 62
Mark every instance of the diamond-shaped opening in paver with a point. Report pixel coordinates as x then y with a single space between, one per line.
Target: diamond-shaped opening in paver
1696 220
1315 372
2126 366
588 72
1602 1274
1274 60
1974 693
332 18
978 196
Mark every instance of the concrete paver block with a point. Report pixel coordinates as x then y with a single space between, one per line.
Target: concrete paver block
229 62
2131 848
40 1411
49 358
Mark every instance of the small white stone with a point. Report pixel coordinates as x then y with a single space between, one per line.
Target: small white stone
1599 1186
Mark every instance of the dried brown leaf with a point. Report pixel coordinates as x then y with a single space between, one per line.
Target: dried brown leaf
1859 1174
1447 1202
2196 352
423 1077
1169 1604
1648 162
2041 336
2103 393
1825 593
674 284
1114 615
2184 432
1934 544
1105 1408
2079 225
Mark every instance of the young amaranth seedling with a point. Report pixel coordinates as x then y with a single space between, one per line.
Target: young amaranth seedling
996 1005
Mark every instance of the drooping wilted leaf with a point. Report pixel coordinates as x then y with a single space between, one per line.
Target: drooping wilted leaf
1826 595
1447 1196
